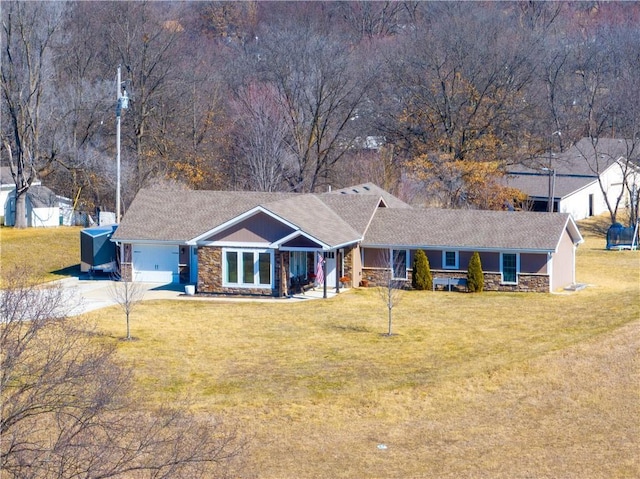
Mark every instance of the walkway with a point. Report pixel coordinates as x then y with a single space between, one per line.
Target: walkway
90 294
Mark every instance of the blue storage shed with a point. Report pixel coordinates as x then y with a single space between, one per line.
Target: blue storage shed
97 251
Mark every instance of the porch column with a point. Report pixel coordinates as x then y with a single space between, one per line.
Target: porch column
284 274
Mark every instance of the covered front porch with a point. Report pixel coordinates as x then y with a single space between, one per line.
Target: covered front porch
308 269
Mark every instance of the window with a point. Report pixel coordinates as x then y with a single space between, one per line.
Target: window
232 267
509 268
450 259
298 264
247 268
264 268
399 263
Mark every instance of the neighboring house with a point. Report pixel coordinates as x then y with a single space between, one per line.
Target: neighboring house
571 178
43 207
252 243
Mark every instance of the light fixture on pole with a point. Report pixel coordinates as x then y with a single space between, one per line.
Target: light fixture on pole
552 188
122 104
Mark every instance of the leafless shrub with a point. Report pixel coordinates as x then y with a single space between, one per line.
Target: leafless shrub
69 408
391 289
127 294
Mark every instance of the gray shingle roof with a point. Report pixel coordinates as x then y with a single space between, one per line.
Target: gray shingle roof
575 168
354 209
372 189
583 159
537 186
180 216
469 229
314 217
337 219
156 215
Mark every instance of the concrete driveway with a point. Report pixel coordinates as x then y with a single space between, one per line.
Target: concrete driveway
87 294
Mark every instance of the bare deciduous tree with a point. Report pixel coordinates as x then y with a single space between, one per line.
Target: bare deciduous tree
29 30
261 133
391 289
600 154
127 295
320 84
69 408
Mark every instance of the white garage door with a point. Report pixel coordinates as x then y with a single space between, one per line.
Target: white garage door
155 264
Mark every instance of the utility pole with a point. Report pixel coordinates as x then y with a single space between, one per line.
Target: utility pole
122 104
552 188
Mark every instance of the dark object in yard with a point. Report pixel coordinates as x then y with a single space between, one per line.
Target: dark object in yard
619 237
97 251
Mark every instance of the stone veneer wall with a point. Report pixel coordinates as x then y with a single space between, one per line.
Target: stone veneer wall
210 275
126 265
536 283
378 277
125 271
526 282
348 265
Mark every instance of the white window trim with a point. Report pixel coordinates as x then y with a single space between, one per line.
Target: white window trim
502 281
444 259
256 268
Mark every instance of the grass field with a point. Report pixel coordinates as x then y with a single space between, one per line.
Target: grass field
492 385
49 253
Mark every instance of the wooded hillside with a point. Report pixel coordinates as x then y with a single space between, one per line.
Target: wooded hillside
430 100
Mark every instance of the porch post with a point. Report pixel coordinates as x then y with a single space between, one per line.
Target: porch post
284 275
324 274
338 271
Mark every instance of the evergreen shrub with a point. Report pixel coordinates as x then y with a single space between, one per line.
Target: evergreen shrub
421 279
475 276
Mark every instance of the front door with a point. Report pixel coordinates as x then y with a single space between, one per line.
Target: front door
330 267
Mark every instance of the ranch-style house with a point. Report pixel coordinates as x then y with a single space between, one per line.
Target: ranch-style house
270 244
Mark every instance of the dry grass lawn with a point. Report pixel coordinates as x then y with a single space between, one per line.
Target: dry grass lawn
471 386
49 253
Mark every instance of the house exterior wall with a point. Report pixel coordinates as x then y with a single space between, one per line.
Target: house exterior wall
563 271
7 212
353 265
527 283
578 203
535 283
258 228
210 275
43 217
61 213
532 275
533 263
126 266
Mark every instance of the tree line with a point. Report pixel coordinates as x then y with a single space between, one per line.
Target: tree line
430 100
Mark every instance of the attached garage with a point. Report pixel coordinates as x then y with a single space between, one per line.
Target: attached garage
155 263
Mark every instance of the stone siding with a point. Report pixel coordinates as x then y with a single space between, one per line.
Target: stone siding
533 283
210 275
526 282
348 265
125 271
378 277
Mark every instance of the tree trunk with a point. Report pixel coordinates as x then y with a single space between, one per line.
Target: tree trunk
20 220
